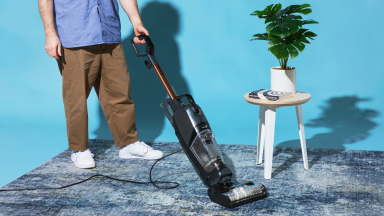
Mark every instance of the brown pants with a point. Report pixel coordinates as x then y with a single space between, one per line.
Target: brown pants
103 67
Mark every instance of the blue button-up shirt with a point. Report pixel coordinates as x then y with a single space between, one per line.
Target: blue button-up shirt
87 22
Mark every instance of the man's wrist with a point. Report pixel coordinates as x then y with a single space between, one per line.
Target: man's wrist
138 24
50 32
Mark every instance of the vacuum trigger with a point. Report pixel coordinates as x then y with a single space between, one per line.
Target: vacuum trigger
148 64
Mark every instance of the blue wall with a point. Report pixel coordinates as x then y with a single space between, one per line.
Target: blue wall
204 49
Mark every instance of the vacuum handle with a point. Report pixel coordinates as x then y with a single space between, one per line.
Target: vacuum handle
137 50
149 52
149 49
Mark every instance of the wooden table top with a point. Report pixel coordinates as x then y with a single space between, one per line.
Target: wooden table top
297 99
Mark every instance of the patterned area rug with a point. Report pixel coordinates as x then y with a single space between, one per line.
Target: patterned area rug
338 182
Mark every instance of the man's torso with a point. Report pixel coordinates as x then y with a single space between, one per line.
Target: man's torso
87 22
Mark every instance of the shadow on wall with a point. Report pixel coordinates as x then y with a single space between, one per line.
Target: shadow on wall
162 21
347 124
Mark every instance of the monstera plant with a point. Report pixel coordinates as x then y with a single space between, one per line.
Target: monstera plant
285 33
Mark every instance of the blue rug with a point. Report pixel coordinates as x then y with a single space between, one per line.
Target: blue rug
339 182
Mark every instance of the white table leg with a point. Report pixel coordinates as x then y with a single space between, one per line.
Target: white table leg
261 135
270 132
300 122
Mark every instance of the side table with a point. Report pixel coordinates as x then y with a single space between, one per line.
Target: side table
267 116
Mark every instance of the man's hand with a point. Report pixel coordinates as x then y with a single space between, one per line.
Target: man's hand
139 30
53 46
52 41
130 7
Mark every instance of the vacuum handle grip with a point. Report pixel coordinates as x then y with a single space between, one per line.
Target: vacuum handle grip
149 49
137 50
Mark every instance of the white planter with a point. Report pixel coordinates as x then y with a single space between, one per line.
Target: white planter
283 80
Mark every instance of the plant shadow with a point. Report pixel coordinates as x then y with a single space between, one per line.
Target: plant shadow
162 21
347 124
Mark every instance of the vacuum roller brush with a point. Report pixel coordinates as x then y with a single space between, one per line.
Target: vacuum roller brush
199 144
237 194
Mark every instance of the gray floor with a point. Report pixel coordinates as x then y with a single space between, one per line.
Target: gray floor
339 182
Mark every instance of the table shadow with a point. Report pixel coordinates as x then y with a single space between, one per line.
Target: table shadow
347 124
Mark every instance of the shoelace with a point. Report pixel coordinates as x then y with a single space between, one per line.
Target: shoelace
144 146
83 154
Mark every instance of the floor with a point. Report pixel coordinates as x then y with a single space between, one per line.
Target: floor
338 182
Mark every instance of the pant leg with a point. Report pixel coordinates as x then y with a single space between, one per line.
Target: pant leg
115 95
80 68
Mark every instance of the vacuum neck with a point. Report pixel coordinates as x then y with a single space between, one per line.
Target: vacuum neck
164 81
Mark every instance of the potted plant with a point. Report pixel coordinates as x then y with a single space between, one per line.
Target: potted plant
286 38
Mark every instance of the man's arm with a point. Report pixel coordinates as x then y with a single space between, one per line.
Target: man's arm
130 7
52 41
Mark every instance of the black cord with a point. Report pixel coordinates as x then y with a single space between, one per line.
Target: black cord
100 175
154 182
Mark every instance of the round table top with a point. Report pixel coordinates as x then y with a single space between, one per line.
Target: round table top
297 99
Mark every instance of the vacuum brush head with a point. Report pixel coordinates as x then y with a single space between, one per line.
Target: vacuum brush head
237 194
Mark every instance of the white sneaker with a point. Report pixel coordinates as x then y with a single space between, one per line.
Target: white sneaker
83 159
139 150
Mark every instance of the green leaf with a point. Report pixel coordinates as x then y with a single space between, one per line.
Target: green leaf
294 29
309 34
295 16
280 51
290 22
306 11
284 32
310 22
301 31
260 37
279 13
256 13
274 42
286 26
304 40
269 11
303 9
290 39
270 37
270 27
299 34
272 11
292 51
270 19
299 45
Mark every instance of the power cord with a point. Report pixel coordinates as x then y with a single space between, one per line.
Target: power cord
108 177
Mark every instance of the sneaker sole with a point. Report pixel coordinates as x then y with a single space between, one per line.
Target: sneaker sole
85 166
128 156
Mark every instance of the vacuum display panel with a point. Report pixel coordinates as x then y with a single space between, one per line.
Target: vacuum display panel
206 150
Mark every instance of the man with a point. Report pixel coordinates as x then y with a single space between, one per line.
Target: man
84 37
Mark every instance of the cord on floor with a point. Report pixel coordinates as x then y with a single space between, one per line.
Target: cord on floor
175 184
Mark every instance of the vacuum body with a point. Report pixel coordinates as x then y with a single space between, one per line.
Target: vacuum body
199 144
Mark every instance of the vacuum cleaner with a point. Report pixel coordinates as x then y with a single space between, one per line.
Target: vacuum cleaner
199 143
